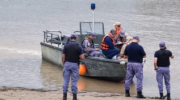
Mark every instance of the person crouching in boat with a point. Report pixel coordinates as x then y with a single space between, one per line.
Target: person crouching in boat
88 46
128 41
72 53
108 45
119 41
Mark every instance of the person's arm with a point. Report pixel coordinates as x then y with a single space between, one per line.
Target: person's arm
155 60
88 48
108 41
63 58
155 63
81 56
63 55
143 53
171 55
125 53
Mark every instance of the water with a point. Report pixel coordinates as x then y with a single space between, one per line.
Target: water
22 23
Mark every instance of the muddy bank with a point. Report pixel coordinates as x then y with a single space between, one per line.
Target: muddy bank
40 94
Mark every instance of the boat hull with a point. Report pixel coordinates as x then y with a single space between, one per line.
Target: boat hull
96 67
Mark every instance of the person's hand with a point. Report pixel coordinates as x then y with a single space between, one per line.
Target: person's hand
155 68
119 42
97 49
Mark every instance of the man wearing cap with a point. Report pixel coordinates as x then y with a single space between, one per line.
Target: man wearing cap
118 28
108 45
119 41
88 46
135 54
161 65
72 53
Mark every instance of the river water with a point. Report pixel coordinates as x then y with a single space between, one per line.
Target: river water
22 23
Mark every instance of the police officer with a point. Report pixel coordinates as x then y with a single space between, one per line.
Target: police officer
161 65
72 53
135 54
88 46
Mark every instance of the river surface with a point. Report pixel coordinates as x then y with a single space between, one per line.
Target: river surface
22 23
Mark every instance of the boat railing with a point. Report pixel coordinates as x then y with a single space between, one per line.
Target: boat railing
50 35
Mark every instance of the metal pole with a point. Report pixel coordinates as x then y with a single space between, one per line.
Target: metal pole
51 39
93 21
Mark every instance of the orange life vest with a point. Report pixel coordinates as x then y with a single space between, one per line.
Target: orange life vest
118 31
104 46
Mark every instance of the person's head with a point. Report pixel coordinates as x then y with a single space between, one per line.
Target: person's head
162 45
73 37
135 39
92 35
113 33
122 34
117 25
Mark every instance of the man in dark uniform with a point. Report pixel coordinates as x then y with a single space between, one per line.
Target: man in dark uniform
135 54
72 53
161 65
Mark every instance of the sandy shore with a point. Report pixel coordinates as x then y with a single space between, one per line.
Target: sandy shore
31 94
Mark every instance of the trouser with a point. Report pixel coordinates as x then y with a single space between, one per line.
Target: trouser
134 69
163 72
95 53
110 53
70 70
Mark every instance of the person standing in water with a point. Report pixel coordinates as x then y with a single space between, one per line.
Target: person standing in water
135 54
72 53
161 65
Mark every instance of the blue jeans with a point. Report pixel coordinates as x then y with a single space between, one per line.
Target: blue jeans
110 53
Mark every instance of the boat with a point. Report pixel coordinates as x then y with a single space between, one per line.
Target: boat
96 67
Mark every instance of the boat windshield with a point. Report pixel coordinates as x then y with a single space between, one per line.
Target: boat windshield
86 27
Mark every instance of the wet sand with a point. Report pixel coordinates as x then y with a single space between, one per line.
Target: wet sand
40 94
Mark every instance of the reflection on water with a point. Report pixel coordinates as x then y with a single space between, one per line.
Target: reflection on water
52 79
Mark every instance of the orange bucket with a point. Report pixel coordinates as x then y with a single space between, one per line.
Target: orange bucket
82 69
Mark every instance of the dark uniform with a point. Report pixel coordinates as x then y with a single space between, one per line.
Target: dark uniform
135 54
163 64
72 51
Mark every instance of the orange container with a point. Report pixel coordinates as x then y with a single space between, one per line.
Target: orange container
82 69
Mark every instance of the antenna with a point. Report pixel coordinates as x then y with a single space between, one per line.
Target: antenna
93 6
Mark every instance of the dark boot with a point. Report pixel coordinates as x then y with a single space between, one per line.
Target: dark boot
64 96
161 96
168 96
75 97
140 95
127 93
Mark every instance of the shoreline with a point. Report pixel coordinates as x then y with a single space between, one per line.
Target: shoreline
11 93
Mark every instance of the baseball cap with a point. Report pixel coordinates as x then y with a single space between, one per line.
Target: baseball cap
122 34
113 32
162 44
92 34
136 37
117 23
73 35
